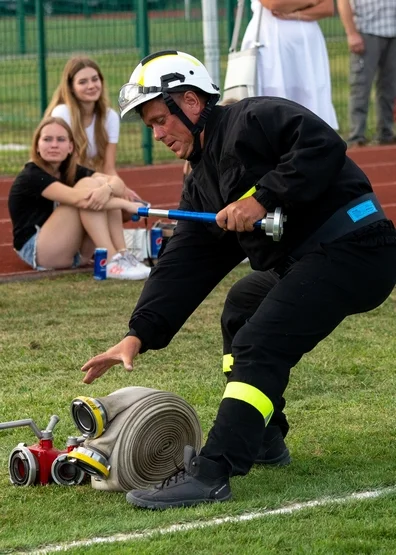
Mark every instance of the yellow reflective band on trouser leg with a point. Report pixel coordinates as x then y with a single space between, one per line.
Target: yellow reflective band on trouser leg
249 193
228 361
250 394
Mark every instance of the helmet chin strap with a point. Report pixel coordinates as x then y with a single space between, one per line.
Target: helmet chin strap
195 128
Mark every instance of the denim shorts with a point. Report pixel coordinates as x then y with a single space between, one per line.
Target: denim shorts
28 253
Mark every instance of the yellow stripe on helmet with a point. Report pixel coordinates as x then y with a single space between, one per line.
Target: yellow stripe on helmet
251 395
191 59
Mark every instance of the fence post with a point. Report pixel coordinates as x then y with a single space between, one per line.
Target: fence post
210 22
41 55
21 26
86 9
230 5
143 28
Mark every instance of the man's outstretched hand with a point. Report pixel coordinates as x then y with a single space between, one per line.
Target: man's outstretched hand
124 352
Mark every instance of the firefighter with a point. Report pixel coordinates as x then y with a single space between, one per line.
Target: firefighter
337 257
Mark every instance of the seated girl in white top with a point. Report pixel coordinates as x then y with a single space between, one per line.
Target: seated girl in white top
81 100
61 211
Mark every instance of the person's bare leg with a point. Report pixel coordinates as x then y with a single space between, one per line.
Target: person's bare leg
97 226
114 218
87 250
60 238
103 227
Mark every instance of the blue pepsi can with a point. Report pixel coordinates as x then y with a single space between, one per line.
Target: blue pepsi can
100 264
155 241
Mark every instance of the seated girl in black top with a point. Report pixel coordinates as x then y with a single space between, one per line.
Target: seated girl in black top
61 211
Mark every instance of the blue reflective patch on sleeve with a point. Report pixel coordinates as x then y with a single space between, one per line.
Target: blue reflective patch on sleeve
362 210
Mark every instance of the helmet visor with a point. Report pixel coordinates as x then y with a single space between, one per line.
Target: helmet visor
132 94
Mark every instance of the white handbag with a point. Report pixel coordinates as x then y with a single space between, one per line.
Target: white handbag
241 74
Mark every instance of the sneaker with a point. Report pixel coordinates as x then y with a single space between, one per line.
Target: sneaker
201 481
121 266
273 450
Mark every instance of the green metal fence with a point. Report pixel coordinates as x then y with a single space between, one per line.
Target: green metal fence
33 51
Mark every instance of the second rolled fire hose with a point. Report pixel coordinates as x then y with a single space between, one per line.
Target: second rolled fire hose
142 444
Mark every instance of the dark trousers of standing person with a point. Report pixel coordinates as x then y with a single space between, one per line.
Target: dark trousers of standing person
274 322
377 61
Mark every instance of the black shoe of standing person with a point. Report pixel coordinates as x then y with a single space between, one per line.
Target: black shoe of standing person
201 481
361 141
273 450
387 141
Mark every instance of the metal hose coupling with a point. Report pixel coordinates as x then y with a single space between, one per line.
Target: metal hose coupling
90 461
89 416
273 224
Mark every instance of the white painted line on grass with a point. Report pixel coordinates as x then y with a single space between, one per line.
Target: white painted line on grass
175 528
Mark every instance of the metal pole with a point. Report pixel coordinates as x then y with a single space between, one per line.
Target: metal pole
41 55
86 9
142 21
187 10
21 26
211 39
230 15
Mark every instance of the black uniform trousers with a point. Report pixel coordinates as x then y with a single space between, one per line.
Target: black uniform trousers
271 321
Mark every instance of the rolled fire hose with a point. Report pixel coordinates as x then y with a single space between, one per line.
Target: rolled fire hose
144 434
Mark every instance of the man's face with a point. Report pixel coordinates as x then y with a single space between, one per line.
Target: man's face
168 128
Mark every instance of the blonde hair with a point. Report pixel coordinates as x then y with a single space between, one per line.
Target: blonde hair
64 95
68 167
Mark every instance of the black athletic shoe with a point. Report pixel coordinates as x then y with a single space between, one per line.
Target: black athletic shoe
273 450
201 481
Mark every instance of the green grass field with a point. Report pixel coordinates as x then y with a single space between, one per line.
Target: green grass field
112 42
340 404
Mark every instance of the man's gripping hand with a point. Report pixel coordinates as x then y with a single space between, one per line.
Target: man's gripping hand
124 352
240 215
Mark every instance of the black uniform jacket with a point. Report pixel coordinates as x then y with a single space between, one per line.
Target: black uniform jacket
296 161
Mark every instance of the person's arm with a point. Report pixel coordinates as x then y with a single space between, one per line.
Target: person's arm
193 263
109 162
117 189
114 183
288 6
124 352
112 125
113 186
88 198
306 154
325 8
354 38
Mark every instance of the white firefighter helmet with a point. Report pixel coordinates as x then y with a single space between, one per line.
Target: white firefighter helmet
163 72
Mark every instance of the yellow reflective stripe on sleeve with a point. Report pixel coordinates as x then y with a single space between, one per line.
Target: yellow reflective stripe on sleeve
228 361
249 193
252 395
